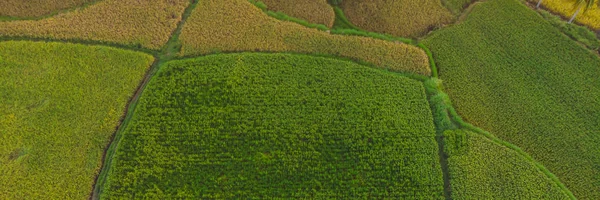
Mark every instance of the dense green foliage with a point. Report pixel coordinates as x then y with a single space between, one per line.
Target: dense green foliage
482 169
579 33
534 88
59 105
277 126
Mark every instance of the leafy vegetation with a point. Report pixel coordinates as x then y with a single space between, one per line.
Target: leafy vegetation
57 113
139 23
590 18
277 126
541 96
581 34
237 25
482 169
314 11
404 18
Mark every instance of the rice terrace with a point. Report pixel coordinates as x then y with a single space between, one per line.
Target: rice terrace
300 99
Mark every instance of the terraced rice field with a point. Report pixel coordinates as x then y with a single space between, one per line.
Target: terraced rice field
404 18
36 8
277 126
306 99
57 114
541 96
134 23
217 26
314 11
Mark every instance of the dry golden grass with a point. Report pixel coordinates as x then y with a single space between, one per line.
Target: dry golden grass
36 8
313 11
405 18
566 8
147 23
237 25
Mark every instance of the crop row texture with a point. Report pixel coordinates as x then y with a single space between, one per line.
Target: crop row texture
263 126
237 25
482 169
314 11
57 113
567 8
36 8
505 77
403 18
139 23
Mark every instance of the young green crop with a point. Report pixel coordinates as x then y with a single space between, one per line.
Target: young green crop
263 126
513 74
36 8
482 169
236 25
59 105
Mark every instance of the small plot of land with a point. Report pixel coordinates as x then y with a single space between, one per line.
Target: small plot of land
36 8
482 169
457 6
237 25
314 11
510 72
405 18
137 23
566 8
59 105
277 126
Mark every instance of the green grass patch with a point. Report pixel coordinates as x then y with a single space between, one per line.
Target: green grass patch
510 72
265 126
59 105
483 169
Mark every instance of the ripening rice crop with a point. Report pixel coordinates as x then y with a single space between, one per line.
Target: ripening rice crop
263 126
314 11
237 25
513 74
36 8
567 8
57 113
404 18
482 169
145 23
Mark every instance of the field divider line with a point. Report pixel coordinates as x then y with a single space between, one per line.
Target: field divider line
166 54
457 120
355 31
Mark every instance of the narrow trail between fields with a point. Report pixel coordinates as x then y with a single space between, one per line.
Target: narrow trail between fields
167 53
